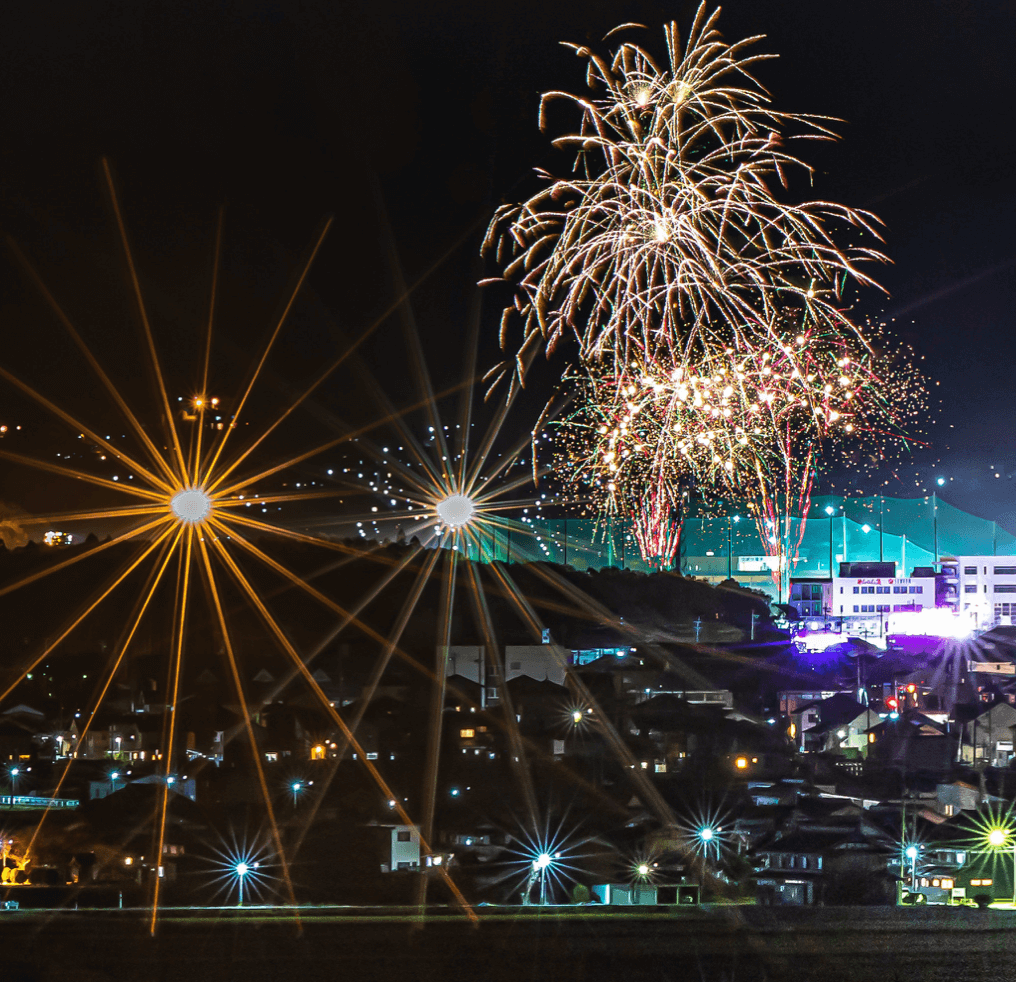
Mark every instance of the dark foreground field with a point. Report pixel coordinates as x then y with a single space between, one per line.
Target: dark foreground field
735 944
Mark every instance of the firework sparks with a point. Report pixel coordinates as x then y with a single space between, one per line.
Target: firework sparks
736 422
670 230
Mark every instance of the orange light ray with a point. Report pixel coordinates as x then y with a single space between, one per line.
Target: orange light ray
515 482
650 795
268 347
114 451
471 349
418 363
377 673
143 312
44 465
487 444
181 628
298 663
499 506
593 609
437 479
124 537
293 461
80 516
107 383
268 499
255 753
380 516
217 255
253 523
168 550
95 603
437 700
515 744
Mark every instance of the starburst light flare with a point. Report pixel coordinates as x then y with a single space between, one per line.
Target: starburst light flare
188 520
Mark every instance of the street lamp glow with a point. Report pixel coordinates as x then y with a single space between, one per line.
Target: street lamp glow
456 510
997 837
706 834
829 510
242 869
643 869
191 505
911 852
577 716
542 861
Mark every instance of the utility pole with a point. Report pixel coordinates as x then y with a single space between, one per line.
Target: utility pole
729 559
881 516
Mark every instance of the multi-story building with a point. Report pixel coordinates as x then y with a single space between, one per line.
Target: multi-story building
987 589
865 600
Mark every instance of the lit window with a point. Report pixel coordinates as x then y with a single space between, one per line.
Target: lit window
467 734
741 763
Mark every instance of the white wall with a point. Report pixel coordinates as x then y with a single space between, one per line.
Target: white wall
987 594
405 852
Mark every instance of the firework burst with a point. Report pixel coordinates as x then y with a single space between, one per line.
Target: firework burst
670 231
736 423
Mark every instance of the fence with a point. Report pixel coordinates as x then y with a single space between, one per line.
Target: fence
910 532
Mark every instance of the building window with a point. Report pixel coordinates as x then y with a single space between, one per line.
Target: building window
1005 588
855 608
405 836
969 570
1005 570
467 734
970 588
856 589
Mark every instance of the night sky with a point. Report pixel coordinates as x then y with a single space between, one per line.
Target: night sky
409 124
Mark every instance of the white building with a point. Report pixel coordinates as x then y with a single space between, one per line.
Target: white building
542 662
987 590
405 847
870 598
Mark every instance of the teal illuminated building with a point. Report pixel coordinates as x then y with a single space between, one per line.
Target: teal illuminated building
911 532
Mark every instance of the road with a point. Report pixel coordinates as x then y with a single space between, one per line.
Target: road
554 944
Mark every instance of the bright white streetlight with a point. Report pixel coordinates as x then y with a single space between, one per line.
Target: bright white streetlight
191 505
456 510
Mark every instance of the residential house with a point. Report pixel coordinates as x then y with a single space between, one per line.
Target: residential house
826 863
